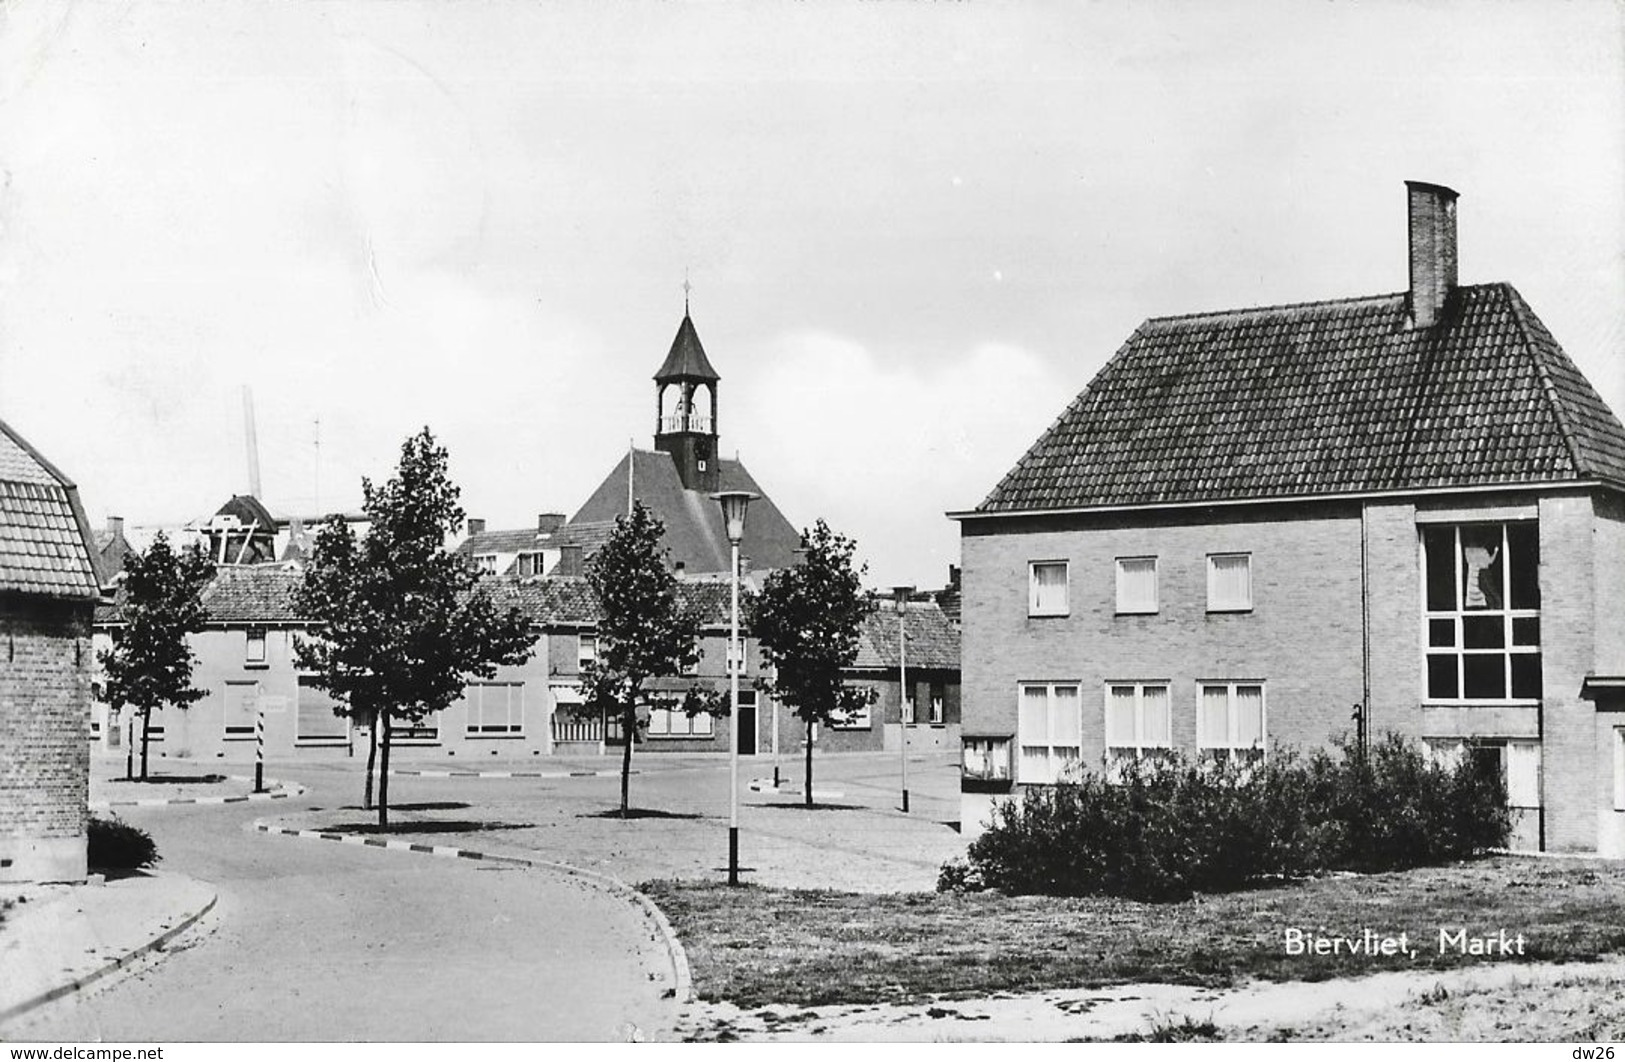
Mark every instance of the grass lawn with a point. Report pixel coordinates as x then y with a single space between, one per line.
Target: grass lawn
752 946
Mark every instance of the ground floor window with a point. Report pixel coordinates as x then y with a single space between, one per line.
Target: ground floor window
1138 719
1619 768
938 698
495 708
1049 731
314 719
1516 760
426 729
855 719
674 722
242 710
1230 720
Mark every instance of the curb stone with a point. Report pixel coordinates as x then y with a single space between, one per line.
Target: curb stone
683 991
282 793
80 983
505 774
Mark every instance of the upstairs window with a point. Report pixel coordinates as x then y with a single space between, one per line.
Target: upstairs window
255 653
1482 614
1229 582
485 563
1046 589
1136 585
586 650
529 564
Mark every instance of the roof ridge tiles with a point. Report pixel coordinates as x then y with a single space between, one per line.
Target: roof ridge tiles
1243 311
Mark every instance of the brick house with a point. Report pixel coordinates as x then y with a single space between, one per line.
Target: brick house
1253 526
48 589
932 659
245 666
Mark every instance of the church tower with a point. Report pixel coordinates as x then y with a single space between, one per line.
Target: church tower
686 408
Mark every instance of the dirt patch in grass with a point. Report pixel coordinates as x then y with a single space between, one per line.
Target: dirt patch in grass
638 813
753 946
171 779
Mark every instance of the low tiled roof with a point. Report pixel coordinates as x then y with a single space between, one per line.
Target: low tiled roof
568 601
45 545
1322 398
933 642
253 593
693 519
522 540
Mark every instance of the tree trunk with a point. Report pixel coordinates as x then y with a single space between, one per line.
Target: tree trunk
372 758
146 721
383 775
809 762
629 726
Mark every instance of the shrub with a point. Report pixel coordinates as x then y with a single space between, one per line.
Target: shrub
1164 829
115 845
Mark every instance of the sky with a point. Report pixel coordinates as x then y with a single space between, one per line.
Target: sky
913 231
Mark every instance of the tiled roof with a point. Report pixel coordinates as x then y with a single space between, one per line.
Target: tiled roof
1322 398
522 540
687 358
44 540
252 593
694 531
569 601
933 642
111 547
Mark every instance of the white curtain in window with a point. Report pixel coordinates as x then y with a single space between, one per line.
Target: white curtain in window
1157 726
659 721
1523 774
1066 729
1120 717
1249 717
1137 585
1213 717
1033 722
1049 588
1446 753
1230 581
1619 769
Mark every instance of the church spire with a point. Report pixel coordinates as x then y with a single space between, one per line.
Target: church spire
686 407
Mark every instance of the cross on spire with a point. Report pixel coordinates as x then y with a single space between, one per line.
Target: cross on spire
686 288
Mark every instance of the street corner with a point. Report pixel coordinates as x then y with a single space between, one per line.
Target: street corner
58 939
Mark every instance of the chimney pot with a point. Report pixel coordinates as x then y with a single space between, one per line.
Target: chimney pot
476 527
1432 239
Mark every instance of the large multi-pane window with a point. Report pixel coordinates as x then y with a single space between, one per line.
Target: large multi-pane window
1230 720
1049 731
1138 719
314 717
1482 612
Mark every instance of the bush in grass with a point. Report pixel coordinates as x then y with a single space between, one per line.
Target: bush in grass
116 845
1163 829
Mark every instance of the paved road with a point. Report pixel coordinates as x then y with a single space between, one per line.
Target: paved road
319 941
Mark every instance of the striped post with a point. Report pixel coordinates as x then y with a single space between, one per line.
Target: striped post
259 748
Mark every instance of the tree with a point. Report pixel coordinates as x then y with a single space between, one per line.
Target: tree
644 632
807 619
150 664
401 624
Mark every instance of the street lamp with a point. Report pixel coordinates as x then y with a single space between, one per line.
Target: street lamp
734 504
901 594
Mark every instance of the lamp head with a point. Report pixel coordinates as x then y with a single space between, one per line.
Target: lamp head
734 504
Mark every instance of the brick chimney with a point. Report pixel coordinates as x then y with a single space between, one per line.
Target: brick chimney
1432 216
475 527
115 526
569 561
547 523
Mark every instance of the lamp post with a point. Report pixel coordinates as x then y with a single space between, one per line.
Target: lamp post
902 594
734 504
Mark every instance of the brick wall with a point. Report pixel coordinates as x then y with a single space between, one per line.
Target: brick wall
1302 638
44 742
1569 759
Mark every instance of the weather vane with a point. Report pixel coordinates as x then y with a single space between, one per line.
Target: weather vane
686 288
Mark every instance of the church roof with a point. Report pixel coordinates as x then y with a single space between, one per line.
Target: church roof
45 543
693 519
687 358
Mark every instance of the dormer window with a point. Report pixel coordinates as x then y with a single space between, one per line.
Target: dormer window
485 563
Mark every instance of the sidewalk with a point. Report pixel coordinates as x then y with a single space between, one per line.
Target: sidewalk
58 938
